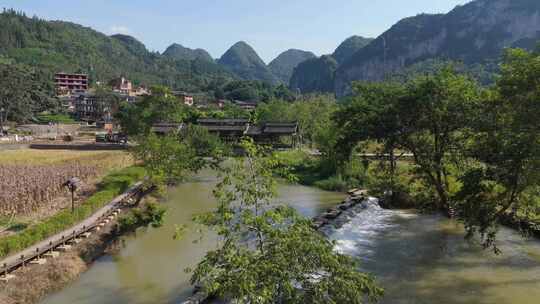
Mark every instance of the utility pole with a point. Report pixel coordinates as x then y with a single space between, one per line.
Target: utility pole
73 184
2 110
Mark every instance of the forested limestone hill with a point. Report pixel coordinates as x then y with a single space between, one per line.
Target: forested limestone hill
349 47
242 60
314 75
55 46
318 74
179 52
283 66
475 34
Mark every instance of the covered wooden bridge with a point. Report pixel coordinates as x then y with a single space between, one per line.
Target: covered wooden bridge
277 134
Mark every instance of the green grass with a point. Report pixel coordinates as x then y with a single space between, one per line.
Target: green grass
312 171
334 183
111 186
55 118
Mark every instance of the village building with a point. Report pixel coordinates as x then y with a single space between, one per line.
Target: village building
89 108
220 103
122 85
246 105
141 91
186 98
125 87
167 128
67 84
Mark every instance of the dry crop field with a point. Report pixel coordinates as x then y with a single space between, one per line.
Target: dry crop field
32 179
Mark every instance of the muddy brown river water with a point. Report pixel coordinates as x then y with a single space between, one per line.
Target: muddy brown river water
416 258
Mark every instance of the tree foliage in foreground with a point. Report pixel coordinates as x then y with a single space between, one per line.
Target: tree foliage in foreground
268 253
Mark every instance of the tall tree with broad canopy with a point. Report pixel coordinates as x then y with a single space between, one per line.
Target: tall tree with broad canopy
371 115
434 118
161 106
504 179
268 253
428 116
21 94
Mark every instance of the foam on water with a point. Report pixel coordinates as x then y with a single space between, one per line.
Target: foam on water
367 222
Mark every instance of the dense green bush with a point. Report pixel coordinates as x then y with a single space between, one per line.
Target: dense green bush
151 213
333 183
310 170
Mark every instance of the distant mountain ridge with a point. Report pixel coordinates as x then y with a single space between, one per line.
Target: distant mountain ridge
349 47
179 52
475 33
54 46
242 60
318 74
283 65
314 75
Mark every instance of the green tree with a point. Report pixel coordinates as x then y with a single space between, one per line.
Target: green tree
429 116
268 253
166 159
313 114
434 117
204 143
371 115
505 172
162 106
107 102
21 93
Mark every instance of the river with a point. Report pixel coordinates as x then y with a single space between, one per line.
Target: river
425 259
416 258
150 266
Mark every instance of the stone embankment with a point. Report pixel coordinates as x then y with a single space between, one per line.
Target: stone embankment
333 216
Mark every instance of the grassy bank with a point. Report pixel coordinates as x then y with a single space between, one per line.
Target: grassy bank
111 186
312 171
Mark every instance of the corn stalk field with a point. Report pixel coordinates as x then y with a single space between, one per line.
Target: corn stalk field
31 179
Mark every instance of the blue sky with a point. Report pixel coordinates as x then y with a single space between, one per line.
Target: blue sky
270 26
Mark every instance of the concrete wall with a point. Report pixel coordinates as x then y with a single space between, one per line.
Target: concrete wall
50 130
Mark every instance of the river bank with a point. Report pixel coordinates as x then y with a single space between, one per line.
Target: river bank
424 258
417 258
149 267
33 281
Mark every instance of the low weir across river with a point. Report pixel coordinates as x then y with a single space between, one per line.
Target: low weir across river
416 258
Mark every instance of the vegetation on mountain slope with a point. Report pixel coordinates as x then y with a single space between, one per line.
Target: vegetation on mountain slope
314 75
179 52
348 47
283 66
242 60
53 46
475 33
